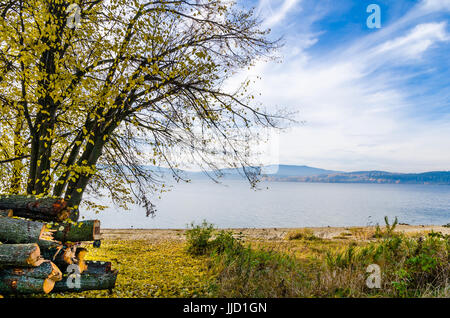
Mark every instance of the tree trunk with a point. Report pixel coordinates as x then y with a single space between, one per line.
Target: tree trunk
25 285
45 209
98 268
49 244
78 232
46 270
20 255
94 278
22 231
17 165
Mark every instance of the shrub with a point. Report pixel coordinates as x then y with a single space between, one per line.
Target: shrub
302 234
247 272
225 242
389 230
409 266
200 240
198 237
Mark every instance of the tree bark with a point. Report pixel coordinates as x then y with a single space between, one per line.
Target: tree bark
45 209
49 244
19 231
94 278
11 284
98 268
77 232
20 255
6 213
62 256
46 270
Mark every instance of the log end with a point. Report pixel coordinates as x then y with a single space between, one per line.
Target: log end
81 255
7 213
48 285
69 255
56 274
35 258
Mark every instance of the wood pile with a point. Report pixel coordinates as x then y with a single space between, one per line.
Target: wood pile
42 249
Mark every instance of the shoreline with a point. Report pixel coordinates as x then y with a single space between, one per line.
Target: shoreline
269 234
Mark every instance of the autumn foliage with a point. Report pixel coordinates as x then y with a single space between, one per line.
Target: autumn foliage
85 106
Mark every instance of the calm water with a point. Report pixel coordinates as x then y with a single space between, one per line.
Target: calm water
287 205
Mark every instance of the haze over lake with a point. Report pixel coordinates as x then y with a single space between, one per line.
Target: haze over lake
286 204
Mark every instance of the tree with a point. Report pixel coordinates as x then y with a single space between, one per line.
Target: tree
84 105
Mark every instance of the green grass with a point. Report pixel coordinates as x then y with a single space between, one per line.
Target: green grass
150 269
410 267
213 263
302 234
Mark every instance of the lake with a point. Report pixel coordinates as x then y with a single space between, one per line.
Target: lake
286 204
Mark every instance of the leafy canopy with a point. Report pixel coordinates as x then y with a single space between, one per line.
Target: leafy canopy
85 106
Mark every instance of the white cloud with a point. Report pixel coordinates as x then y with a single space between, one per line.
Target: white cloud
417 41
436 5
357 111
274 17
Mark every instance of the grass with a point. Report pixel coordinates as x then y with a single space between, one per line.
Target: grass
302 234
409 267
213 263
160 269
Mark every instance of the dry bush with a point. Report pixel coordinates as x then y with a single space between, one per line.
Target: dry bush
302 234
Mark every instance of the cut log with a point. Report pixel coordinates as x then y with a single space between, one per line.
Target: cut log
20 255
80 255
97 267
96 278
62 256
47 270
49 244
25 285
13 230
76 231
44 209
7 213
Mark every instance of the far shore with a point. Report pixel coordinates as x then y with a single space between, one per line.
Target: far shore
267 234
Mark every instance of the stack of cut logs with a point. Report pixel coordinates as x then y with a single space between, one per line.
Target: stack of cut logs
42 250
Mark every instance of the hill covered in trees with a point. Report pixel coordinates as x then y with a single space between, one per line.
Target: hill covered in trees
434 177
294 173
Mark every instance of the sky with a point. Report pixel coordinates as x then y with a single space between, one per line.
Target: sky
365 98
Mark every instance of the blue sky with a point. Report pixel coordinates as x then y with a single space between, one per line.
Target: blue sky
369 98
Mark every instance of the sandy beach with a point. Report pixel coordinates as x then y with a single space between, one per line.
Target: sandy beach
268 234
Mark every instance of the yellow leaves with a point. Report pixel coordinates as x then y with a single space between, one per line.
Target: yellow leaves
149 269
172 63
201 54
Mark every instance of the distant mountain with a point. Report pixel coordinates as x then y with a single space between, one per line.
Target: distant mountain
276 171
435 177
292 173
